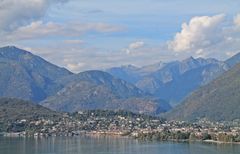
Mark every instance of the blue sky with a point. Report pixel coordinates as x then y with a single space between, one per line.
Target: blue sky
153 20
94 34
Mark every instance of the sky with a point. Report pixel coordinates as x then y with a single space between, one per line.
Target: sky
97 34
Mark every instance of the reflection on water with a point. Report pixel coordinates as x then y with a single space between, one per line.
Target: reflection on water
107 145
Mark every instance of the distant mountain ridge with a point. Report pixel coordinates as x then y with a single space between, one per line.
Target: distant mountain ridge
172 81
132 73
141 90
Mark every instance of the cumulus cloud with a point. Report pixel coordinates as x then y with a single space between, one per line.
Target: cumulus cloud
198 33
17 13
133 46
208 36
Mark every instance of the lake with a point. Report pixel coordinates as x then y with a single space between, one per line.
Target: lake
107 145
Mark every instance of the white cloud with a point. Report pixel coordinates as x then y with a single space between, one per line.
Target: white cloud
205 36
199 33
16 13
200 53
208 36
230 54
97 27
134 46
38 29
34 30
101 27
237 20
75 67
220 32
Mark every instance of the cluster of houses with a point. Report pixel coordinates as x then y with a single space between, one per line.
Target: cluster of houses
134 125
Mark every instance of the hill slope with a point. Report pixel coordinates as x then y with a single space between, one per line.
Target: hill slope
219 100
12 110
100 90
26 76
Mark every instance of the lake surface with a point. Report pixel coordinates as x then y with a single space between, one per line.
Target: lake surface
107 145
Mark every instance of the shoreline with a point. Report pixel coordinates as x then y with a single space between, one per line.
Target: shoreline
220 142
115 135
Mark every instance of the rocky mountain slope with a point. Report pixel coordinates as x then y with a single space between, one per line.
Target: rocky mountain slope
218 100
233 60
100 90
27 76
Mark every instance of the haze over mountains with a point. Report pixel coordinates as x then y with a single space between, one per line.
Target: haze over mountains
141 90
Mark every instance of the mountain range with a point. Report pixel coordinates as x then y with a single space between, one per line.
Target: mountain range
29 77
96 89
147 89
172 81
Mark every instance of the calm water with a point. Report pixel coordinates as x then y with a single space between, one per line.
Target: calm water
107 145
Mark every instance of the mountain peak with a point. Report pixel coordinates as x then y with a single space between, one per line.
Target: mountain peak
10 48
153 67
95 74
189 59
12 52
